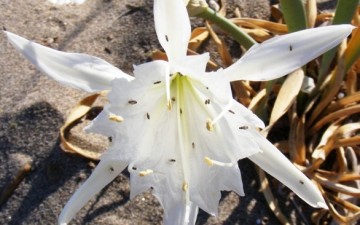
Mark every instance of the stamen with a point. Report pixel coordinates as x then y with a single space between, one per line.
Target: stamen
145 172
115 118
211 162
226 109
169 105
168 98
208 161
185 186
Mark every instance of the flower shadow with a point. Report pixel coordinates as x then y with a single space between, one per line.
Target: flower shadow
31 136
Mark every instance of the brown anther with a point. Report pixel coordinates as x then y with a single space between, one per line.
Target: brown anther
243 127
132 102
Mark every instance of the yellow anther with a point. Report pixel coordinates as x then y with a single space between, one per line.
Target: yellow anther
185 186
209 125
208 161
116 118
211 162
169 105
145 172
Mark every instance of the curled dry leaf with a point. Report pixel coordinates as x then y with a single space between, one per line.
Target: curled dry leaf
76 114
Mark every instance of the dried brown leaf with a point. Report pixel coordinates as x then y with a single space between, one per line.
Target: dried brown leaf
273 205
198 36
287 95
75 115
338 187
221 46
334 116
276 28
342 103
311 12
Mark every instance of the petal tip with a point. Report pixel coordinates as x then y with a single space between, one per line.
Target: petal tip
322 204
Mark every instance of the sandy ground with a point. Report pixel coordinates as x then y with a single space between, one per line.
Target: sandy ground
33 107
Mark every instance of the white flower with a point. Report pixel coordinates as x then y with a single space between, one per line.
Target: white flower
175 126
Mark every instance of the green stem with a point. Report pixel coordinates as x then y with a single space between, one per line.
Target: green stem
240 36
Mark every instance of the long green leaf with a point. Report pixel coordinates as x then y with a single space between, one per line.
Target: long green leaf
229 27
294 14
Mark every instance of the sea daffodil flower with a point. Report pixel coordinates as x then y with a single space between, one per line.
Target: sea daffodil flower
176 127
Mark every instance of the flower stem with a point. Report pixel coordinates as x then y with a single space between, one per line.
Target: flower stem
240 36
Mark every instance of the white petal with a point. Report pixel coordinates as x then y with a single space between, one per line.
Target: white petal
172 27
246 116
104 173
283 54
192 65
277 165
62 2
73 69
209 181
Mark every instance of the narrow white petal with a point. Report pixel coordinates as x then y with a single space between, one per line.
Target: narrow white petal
80 71
62 2
181 214
281 55
277 165
172 27
103 174
193 65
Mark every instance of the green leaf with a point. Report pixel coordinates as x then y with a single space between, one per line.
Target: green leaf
294 14
229 27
